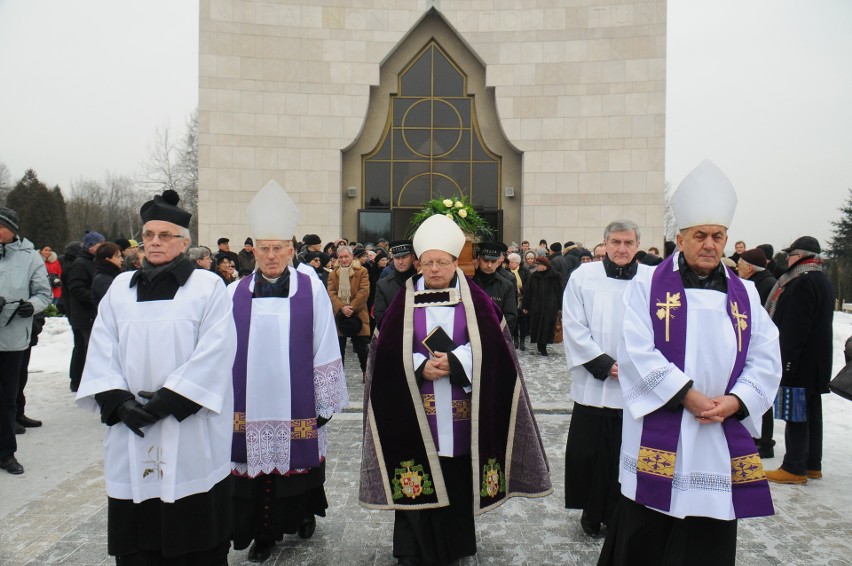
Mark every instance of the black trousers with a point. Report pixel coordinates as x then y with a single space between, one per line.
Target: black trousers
767 430
78 356
591 461
361 344
10 375
22 382
804 440
638 535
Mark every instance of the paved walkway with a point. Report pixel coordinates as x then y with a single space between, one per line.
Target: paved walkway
56 512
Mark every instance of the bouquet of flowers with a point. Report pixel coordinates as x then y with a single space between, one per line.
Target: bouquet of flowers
460 211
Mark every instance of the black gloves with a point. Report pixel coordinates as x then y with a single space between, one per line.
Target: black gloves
132 414
156 405
25 310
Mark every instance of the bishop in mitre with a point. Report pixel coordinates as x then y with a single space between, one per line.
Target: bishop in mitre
699 364
288 382
449 431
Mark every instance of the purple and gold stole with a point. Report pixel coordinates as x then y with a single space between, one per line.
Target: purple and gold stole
661 429
461 403
304 444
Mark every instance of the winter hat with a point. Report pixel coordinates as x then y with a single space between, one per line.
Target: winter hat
754 257
806 244
122 243
248 242
556 247
92 238
542 260
311 240
9 219
165 207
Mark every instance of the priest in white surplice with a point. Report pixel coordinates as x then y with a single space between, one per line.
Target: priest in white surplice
592 318
288 382
699 364
159 370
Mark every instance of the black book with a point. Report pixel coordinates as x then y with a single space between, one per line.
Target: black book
439 341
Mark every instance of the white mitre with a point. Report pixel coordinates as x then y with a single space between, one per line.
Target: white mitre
705 196
272 214
438 233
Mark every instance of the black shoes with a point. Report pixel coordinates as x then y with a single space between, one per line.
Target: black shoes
308 526
591 529
11 465
260 550
19 429
24 420
523 346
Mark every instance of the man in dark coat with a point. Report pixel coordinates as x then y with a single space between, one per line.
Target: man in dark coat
752 265
542 301
802 306
501 291
387 287
225 251
245 259
81 308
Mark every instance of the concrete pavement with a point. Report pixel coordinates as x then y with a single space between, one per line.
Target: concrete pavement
55 513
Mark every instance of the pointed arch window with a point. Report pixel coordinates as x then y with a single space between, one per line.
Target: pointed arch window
431 144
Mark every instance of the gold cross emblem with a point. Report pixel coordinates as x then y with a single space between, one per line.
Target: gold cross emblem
239 422
665 310
742 323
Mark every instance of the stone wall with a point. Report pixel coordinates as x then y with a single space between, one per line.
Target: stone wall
579 85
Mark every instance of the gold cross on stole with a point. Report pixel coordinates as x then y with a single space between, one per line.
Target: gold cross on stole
741 324
665 310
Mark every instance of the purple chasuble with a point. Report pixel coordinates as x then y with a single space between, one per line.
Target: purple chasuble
661 429
460 398
304 443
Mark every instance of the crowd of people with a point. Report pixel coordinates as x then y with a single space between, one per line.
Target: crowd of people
674 359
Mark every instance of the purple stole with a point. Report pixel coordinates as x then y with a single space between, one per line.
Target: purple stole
461 400
304 443
661 429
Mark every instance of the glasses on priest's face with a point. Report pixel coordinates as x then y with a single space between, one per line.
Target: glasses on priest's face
277 249
164 237
441 264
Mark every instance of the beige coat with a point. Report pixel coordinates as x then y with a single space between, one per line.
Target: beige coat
359 282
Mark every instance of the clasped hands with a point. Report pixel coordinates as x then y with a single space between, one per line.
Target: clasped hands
707 410
437 367
135 415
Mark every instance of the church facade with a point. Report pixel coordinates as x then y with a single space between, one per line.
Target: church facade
547 115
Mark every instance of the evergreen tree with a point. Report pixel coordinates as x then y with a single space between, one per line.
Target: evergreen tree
840 250
41 216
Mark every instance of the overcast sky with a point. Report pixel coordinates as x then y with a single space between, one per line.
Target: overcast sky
763 88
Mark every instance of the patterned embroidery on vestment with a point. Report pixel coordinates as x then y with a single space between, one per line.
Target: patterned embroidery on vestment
666 307
758 388
648 383
696 481
656 462
303 429
429 404
156 460
493 479
747 469
329 387
411 481
239 422
461 409
268 446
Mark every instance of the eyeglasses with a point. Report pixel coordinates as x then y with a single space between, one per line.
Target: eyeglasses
442 263
164 237
264 250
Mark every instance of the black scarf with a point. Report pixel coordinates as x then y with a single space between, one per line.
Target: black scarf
716 281
614 271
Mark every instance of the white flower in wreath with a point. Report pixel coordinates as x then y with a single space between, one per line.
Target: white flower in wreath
463 213
448 202
450 215
459 204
